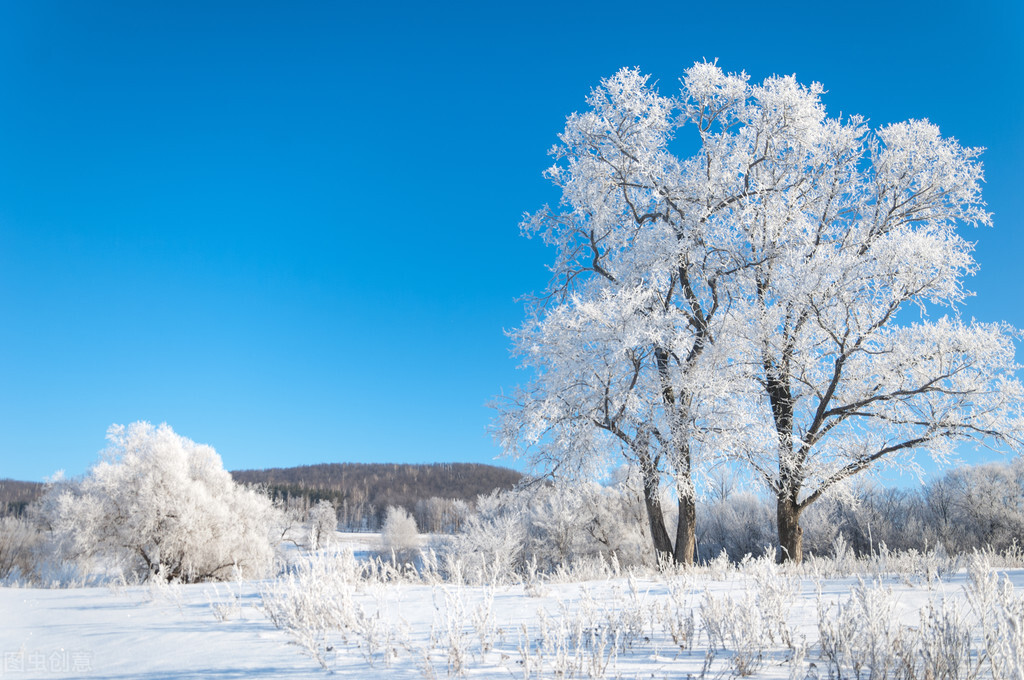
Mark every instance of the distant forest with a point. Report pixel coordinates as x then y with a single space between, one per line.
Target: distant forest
436 495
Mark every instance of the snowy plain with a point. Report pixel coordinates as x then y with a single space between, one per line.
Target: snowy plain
719 621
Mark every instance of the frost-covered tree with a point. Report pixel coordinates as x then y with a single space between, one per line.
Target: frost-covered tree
756 300
323 522
585 521
164 507
978 506
852 237
399 534
625 343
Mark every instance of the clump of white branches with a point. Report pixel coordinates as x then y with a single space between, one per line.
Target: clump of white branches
159 506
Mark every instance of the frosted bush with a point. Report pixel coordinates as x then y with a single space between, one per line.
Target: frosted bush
323 522
864 634
490 547
735 626
161 506
740 524
743 619
941 647
399 535
314 603
584 522
774 593
1000 612
19 541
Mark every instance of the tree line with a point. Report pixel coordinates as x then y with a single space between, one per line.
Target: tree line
160 506
437 495
548 526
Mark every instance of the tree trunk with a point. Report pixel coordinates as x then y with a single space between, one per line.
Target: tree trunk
686 531
656 519
791 535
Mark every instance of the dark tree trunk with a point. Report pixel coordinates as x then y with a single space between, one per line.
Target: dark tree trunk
686 532
787 513
656 518
791 535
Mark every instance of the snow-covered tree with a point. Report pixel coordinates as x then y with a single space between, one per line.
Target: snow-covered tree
323 522
852 240
755 300
399 534
164 507
625 343
977 506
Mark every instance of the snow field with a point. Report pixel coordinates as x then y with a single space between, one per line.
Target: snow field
331 614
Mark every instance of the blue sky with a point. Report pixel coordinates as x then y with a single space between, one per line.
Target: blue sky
290 230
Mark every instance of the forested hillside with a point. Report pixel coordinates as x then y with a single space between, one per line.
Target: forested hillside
361 492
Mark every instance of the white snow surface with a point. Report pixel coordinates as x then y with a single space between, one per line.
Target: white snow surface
220 630
139 632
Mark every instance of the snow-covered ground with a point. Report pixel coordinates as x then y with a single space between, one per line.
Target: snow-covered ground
715 622
140 632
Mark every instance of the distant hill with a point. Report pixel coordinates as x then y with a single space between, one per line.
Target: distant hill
361 492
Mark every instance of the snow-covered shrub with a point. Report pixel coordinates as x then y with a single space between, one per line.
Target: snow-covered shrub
159 505
1000 612
557 527
315 604
582 523
754 617
399 535
863 635
734 626
19 541
740 524
550 529
774 592
940 647
314 601
490 547
323 522
868 517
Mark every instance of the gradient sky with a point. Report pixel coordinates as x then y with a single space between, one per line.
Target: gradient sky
290 230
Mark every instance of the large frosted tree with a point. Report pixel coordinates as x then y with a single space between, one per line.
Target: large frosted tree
768 299
624 343
851 316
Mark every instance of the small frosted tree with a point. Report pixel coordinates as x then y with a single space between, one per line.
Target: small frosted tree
323 521
399 534
164 507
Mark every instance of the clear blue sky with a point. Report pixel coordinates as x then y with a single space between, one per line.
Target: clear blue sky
290 229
